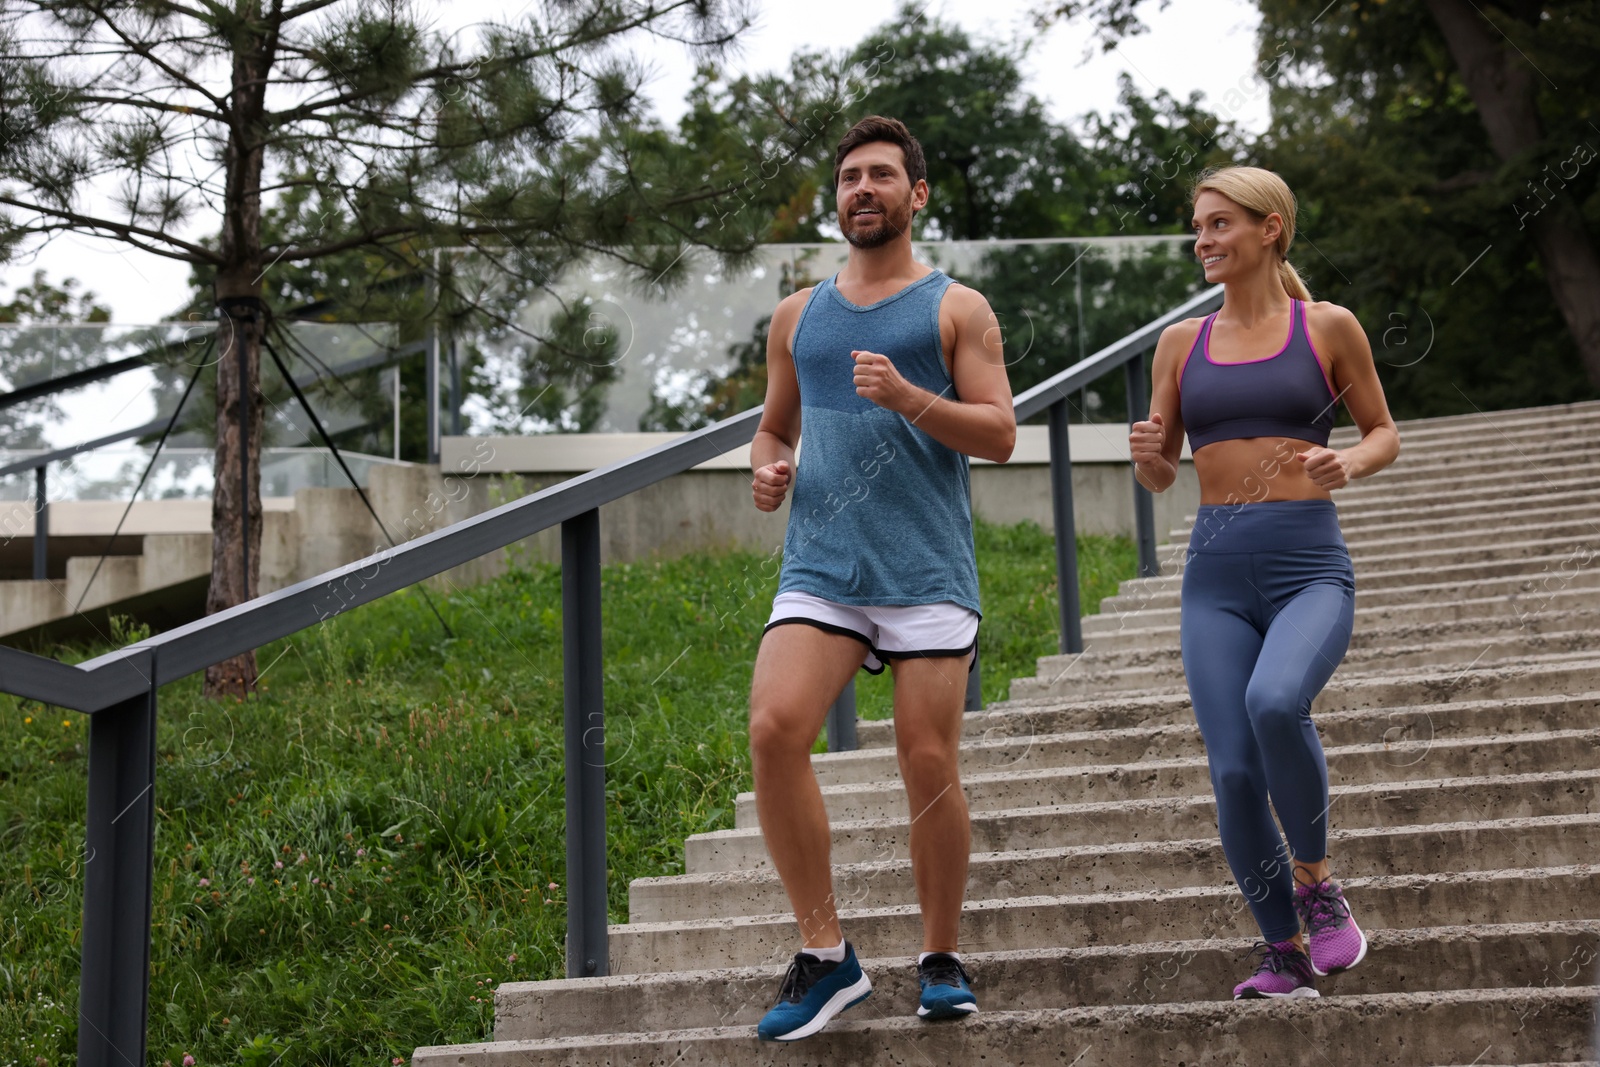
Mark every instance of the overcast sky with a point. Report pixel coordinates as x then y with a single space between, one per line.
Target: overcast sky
1205 45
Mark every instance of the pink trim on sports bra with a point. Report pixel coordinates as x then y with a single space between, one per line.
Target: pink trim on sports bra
1204 331
1294 306
1305 324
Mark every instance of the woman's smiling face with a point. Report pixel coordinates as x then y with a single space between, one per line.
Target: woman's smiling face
1229 242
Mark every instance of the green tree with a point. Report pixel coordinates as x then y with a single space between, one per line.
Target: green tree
997 166
764 145
1142 157
1445 160
1057 303
1456 187
34 350
41 302
529 141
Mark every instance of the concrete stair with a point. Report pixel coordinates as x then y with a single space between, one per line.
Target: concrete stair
1102 925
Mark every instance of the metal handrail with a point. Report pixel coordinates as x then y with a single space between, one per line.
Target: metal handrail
1058 387
119 689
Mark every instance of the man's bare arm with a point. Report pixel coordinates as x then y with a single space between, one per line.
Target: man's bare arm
772 449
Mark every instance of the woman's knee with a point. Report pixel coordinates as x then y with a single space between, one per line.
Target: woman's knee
1236 785
1275 709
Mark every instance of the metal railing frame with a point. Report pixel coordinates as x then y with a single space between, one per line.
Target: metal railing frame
119 689
39 464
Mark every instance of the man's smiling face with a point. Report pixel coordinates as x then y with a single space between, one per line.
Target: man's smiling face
874 197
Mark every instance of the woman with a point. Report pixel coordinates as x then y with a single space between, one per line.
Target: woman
1268 589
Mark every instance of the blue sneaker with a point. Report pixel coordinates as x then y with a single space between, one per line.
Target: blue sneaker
946 992
813 992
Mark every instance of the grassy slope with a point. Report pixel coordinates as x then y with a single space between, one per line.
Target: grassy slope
411 788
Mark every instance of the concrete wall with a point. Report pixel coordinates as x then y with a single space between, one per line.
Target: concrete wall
710 507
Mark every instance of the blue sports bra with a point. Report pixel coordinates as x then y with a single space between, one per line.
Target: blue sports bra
1283 395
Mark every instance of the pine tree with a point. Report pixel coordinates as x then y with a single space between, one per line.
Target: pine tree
387 138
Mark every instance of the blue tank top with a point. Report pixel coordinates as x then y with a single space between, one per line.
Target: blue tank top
1285 395
881 512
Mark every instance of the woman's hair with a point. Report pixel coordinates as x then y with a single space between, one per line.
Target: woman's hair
1261 193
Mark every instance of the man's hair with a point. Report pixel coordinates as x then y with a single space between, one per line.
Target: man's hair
892 131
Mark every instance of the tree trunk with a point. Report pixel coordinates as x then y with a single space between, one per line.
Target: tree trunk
237 494
1503 90
235 558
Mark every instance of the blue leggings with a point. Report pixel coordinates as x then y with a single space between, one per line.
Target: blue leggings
1268 604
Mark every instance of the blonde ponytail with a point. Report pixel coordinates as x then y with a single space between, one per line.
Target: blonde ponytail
1292 283
1261 193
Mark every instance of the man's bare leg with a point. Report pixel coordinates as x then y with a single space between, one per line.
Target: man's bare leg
799 673
928 698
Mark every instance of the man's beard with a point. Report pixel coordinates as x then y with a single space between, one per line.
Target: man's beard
891 224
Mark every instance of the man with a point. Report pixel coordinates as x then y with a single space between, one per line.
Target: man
897 374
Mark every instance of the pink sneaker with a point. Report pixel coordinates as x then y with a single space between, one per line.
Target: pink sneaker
1284 971
1336 943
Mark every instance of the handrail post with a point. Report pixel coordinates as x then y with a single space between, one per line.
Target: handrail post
41 526
842 720
455 389
1066 529
118 867
585 729
1144 509
430 389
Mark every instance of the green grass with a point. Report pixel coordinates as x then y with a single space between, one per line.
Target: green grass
411 788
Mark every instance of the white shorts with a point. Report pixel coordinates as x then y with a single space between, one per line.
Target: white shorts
913 631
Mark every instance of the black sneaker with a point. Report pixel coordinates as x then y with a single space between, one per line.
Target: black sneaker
946 988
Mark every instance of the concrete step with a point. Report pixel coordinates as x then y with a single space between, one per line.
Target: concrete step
1507 956
1137 646
1548 841
1408 731
1530 437
1418 524
1379 804
1462 742
1576 494
1432 585
1436 536
1405 686
1056 686
1070 711
1543 894
1477 423
1109 674
1463 1026
1581 549
1549 595
1574 487
1481 424
1440 474
1528 440
1559 561
1493 471
1347 765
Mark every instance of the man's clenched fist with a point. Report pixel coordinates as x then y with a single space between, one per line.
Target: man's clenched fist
878 380
770 485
